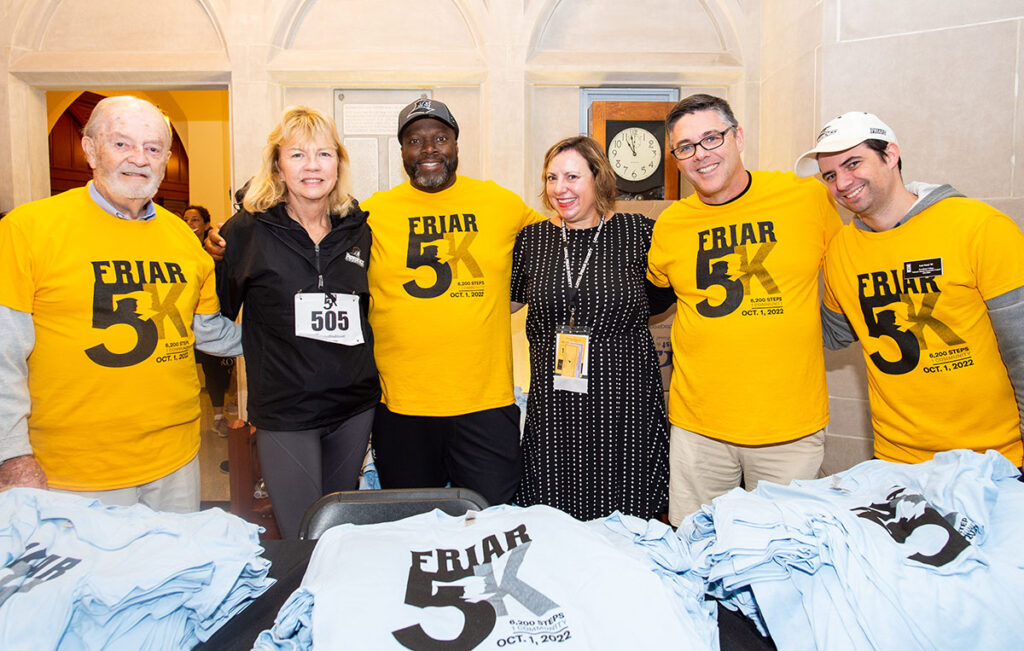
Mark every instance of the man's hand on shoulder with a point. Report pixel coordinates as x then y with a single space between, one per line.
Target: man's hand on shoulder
23 471
214 243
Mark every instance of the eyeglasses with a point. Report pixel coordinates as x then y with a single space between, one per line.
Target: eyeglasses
713 141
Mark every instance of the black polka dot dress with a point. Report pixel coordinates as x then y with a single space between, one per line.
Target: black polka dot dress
591 454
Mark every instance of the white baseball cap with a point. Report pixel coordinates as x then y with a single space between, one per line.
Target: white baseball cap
847 130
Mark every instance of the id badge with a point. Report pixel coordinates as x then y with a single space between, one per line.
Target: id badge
333 318
572 358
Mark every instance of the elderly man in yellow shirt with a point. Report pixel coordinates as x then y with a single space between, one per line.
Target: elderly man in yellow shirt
104 295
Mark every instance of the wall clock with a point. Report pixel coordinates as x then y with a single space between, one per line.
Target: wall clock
633 136
635 152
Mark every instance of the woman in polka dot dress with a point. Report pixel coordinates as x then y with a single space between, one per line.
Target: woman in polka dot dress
596 438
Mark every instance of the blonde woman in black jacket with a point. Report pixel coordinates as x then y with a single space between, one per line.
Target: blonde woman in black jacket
297 261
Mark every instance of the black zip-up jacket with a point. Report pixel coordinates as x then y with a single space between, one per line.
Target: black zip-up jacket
297 383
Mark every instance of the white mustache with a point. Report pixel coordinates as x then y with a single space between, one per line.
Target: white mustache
145 170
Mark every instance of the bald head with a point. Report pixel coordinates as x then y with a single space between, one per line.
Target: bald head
127 142
123 104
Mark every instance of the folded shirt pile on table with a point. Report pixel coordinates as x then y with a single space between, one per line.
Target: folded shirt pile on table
80 575
503 577
882 556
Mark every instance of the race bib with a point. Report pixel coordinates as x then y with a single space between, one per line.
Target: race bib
333 318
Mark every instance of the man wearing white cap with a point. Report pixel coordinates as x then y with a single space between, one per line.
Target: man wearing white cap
932 283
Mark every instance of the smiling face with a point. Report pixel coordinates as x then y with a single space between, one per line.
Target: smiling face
194 220
128 153
570 187
309 168
430 154
718 175
860 179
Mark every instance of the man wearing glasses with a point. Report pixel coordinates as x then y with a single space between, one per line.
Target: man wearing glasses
748 400
933 285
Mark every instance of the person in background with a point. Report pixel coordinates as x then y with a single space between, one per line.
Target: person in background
298 259
198 219
932 283
216 370
748 400
104 294
596 439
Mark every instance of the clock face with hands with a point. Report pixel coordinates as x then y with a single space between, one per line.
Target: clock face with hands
635 154
633 135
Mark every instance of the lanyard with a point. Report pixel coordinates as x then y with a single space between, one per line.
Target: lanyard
574 286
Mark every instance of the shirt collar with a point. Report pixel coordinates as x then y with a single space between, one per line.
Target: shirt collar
109 207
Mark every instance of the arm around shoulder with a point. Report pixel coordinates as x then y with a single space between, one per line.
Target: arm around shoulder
215 244
659 299
836 331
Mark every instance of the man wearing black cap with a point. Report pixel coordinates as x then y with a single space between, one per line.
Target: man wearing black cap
440 270
933 286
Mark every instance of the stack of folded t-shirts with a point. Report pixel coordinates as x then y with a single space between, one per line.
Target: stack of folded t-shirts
80 575
506 577
882 556
657 546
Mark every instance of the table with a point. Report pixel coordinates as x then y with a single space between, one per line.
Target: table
288 559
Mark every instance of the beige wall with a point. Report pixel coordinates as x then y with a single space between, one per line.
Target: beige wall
945 75
205 134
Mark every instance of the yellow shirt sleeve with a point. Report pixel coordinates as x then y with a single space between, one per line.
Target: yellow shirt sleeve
997 255
18 286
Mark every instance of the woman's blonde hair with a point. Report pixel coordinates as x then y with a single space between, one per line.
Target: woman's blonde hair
298 123
604 178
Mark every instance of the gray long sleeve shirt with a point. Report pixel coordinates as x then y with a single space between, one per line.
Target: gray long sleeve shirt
214 333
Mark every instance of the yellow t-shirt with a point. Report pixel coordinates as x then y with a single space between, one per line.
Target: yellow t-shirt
936 379
747 362
440 271
112 379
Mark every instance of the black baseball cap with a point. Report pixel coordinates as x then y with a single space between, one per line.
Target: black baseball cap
426 108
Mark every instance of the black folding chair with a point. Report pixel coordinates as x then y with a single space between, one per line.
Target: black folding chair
387 505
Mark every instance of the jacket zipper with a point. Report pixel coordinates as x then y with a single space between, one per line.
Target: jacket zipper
319 274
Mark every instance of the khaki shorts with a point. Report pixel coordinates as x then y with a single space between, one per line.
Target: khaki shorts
702 468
